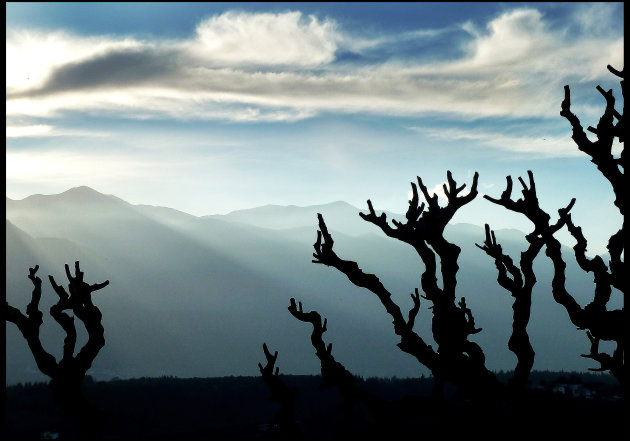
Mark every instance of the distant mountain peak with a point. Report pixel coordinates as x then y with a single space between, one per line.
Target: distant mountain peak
81 195
82 189
84 192
276 208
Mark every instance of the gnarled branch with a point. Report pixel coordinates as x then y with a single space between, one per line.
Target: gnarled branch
29 325
410 341
520 286
600 151
457 359
281 393
613 363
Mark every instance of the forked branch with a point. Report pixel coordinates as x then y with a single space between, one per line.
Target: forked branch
281 393
600 151
29 325
333 372
520 285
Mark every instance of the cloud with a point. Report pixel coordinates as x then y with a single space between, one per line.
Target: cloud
242 38
281 67
46 130
520 46
359 44
117 69
437 189
595 18
540 146
28 131
512 37
32 56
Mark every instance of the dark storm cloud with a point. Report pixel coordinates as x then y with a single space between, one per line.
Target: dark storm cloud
118 68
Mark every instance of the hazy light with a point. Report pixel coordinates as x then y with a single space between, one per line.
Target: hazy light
23 131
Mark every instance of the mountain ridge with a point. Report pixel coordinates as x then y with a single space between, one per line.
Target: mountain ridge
197 296
82 194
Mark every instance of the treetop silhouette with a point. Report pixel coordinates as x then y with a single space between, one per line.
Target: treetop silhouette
67 374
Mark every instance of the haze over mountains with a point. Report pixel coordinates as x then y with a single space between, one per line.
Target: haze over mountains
197 296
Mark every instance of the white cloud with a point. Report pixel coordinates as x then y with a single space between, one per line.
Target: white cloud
46 130
520 44
512 37
359 44
155 102
27 131
438 189
541 146
237 38
277 67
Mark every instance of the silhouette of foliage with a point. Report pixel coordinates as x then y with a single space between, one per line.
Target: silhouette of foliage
67 375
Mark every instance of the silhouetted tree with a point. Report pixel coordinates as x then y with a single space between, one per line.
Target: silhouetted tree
520 285
281 393
68 374
334 374
599 322
457 359
523 279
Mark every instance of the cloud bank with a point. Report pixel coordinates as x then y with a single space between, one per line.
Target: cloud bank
241 66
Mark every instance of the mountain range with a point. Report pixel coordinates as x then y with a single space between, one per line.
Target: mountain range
197 296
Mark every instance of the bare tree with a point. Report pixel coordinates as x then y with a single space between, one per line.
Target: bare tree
599 322
457 359
66 375
333 373
520 285
281 393
523 279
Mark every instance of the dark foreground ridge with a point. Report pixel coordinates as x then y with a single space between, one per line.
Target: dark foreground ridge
559 406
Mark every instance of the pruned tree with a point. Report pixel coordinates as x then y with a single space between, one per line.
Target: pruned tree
280 392
523 279
599 322
334 374
66 375
457 359
520 285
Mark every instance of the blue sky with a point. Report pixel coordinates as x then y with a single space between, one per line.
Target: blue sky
213 107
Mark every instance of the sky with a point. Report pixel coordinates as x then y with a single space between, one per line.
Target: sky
213 107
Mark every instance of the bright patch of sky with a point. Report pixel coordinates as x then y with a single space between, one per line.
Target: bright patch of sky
213 107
